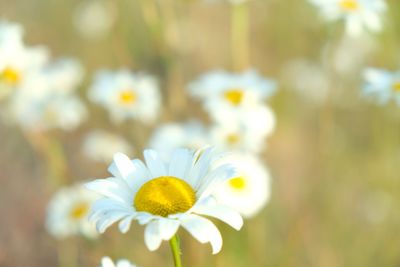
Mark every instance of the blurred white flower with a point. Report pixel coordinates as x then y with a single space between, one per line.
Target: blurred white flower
45 99
127 95
94 18
101 146
247 131
170 136
164 195
16 59
381 84
67 213
107 262
309 79
249 191
358 15
221 90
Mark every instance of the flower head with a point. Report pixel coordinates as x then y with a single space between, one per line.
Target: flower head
68 210
17 60
381 84
164 195
249 190
45 99
230 93
127 95
357 14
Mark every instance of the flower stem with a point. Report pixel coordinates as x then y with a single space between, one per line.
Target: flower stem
176 251
240 35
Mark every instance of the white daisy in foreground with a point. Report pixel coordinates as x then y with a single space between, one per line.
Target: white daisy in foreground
67 213
45 99
127 95
170 136
16 59
249 191
358 15
382 84
107 262
164 196
221 90
101 146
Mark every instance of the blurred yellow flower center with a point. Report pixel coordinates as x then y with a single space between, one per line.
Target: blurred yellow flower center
237 183
79 210
233 139
349 5
10 76
396 86
234 96
165 195
127 97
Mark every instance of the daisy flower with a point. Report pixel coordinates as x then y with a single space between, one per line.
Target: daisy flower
67 213
249 191
107 262
45 100
358 15
246 132
164 195
230 92
101 146
169 136
126 95
17 59
382 84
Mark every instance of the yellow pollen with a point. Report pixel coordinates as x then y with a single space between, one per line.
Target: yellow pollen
234 96
165 195
349 5
10 76
79 210
237 183
396 87
127 97
233 139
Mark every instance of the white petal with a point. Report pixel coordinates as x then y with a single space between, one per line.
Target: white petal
204 231
152 236
168 228
107 220
125 224
124 166
180 162
201 161
224 213
114 188
106 262
154 163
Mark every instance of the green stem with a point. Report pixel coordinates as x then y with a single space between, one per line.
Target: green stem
176 251
240 35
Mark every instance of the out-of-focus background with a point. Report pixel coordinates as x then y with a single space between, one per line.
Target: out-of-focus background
334 157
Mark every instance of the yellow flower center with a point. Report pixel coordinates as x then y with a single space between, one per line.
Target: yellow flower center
234 96
127 97
349 5
165 195
396 87
237 183
10 76
79 211
232 139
